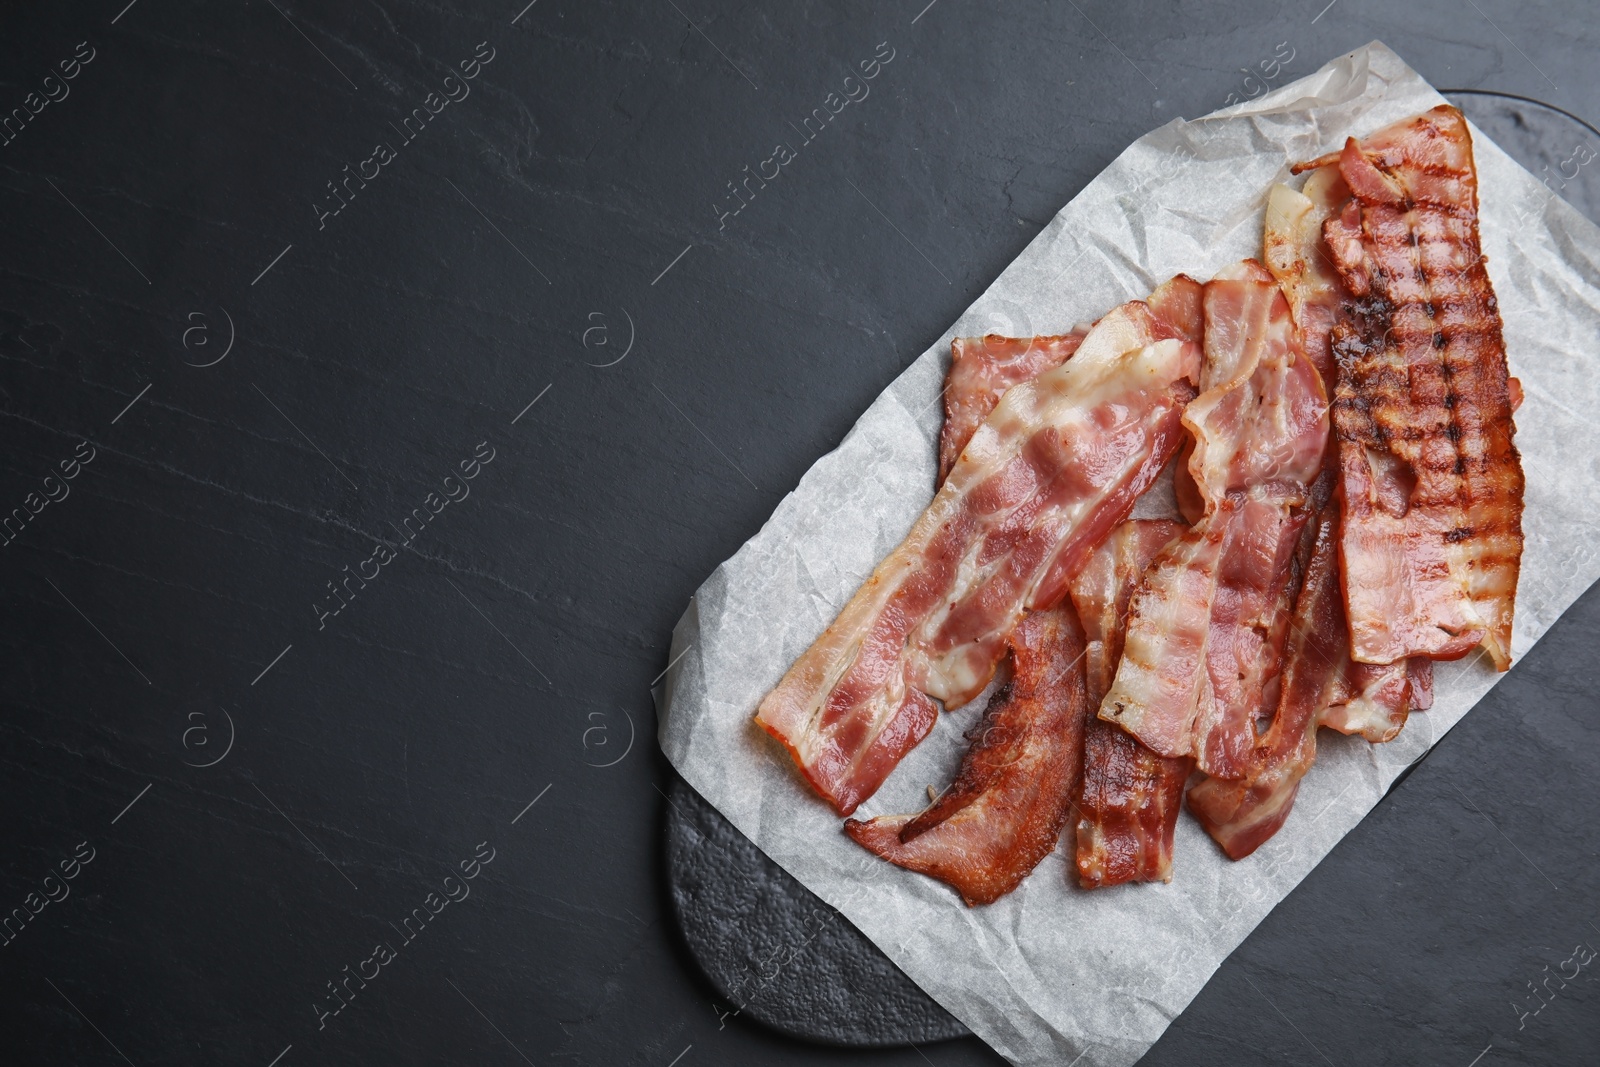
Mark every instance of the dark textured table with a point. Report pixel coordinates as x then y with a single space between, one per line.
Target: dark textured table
386 376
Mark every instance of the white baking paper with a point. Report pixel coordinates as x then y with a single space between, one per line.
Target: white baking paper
1053 974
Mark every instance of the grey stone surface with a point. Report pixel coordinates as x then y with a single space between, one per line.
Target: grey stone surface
303 782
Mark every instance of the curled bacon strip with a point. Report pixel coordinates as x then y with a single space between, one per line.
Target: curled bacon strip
1057 464
1004 812
1207 625
1292 249
1130 797
1241 815
981 370
1320 685
1432 483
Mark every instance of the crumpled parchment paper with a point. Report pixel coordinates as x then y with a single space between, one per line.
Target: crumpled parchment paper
1053 974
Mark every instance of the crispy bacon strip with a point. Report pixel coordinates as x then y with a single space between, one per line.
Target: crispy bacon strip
1432 483
1241 815
1320 684
1206 626
1056 466
981 370
1130 797
1004 812
1368 699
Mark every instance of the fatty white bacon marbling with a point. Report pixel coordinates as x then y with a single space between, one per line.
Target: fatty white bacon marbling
1057 465
1431 481
1207 625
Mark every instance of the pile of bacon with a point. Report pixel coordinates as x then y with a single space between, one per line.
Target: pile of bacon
1338 419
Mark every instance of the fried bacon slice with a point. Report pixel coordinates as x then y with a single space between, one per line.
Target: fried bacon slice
981 370
1242 815
1366 698
1431 481
1293 250
1320 684
1129 799
1374 701
1207 625
1004 812
1055 467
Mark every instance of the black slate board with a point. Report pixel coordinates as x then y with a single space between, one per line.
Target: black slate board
736 907
775 951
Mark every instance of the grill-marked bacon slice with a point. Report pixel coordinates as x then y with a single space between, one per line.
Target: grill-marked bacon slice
1206 627
981 370
1056 466
1130 797
1004 812
1320 684
1432 483
1365 698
